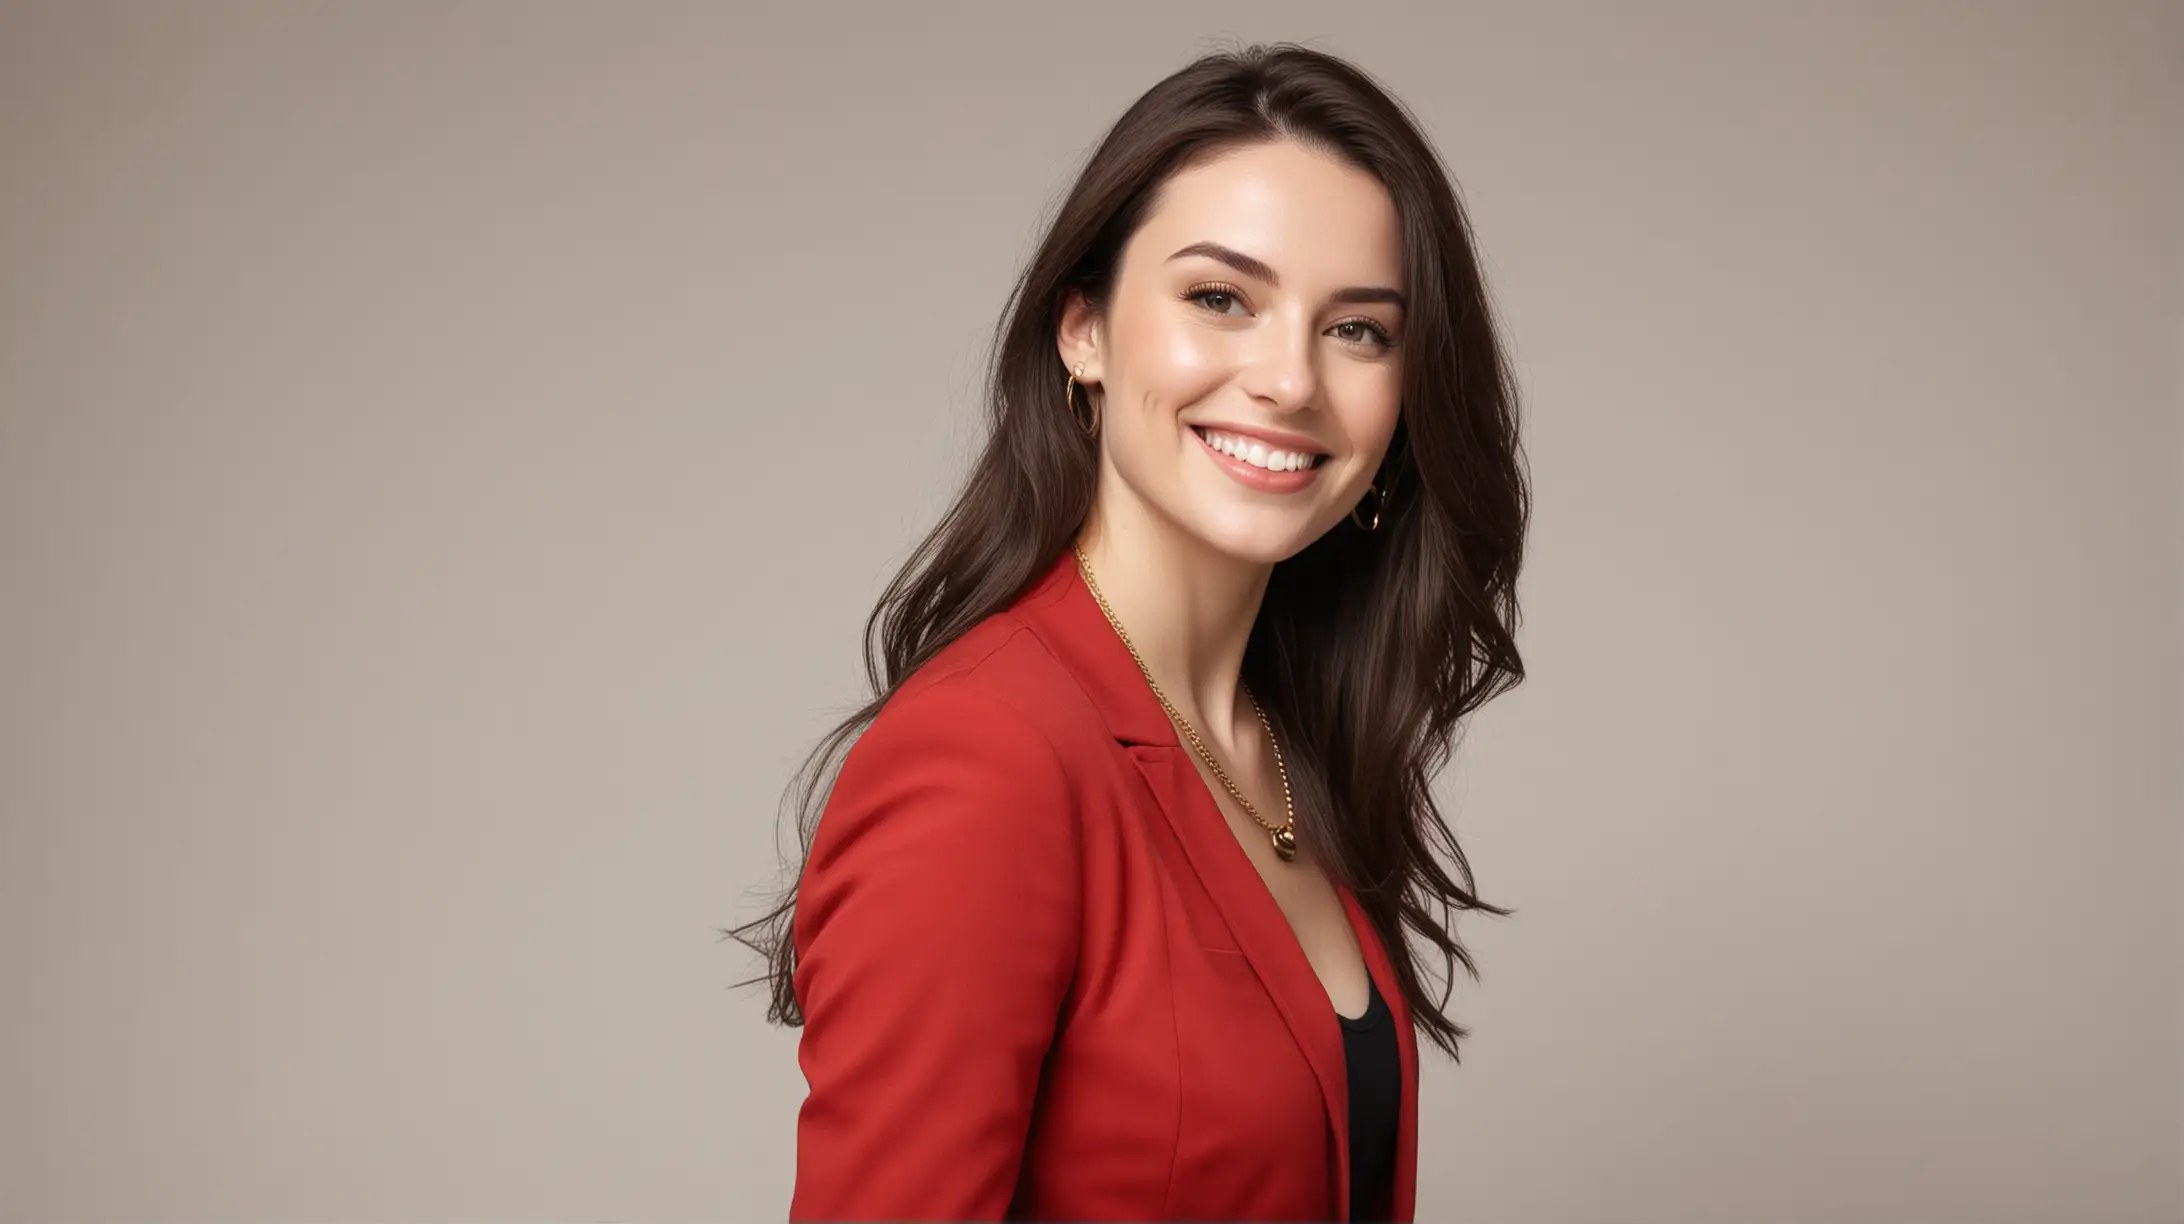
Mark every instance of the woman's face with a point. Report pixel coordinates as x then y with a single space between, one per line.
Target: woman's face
1248 370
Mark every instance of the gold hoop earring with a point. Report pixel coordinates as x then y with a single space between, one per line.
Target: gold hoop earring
1088 424
1380 498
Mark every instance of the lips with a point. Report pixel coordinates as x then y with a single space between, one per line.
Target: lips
1290 479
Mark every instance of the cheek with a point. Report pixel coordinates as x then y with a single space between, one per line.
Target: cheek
1369 410
1171 364
1191 354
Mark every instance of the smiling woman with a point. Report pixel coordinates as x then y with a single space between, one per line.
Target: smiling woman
1124 901
1278 334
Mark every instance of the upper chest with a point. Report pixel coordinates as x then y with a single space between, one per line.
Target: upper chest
1300 887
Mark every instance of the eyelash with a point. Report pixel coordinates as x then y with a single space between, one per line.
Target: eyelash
1380 333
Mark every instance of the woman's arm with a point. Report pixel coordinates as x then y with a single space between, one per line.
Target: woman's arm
936 934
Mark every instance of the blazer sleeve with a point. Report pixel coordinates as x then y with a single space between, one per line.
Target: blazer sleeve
936 933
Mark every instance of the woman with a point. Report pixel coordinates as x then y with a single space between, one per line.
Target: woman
1107 911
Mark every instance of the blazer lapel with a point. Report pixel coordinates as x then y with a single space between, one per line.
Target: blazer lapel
1068 619
1262 933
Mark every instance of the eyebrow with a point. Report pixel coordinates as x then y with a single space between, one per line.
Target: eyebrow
1259 269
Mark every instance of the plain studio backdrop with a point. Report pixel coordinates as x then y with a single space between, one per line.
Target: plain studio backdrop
447 453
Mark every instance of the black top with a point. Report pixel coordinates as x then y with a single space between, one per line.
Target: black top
1376 1097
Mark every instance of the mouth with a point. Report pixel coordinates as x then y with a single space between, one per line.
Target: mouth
1256 452
1251 462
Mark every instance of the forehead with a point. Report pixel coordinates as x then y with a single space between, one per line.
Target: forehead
1319 221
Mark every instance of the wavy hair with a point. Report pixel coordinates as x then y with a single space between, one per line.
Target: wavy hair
1370 646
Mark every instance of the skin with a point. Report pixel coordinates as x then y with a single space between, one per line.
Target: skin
1181 550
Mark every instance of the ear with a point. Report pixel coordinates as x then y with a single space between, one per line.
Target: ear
1077 339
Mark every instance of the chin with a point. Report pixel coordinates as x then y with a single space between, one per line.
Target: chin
1253 534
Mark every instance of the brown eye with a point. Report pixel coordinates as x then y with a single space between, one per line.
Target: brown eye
1216 298
1366 330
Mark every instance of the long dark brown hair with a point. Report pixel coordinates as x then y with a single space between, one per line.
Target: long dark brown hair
1370 646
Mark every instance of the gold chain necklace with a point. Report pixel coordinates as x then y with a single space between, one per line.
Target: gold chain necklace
1284 835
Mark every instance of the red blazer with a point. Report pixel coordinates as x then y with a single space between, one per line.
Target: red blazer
1041 979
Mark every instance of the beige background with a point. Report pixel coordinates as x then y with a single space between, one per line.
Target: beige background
447 453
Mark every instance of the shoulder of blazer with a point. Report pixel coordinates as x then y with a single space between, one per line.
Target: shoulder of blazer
1004 661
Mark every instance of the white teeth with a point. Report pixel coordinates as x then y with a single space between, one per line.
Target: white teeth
1257 453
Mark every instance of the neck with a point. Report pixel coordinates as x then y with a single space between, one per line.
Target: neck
1187 607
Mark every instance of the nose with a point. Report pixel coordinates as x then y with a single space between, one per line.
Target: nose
1282 372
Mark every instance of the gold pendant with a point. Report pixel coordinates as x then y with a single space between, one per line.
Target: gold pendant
1285 843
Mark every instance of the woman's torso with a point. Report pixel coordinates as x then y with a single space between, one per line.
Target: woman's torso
1192 1064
